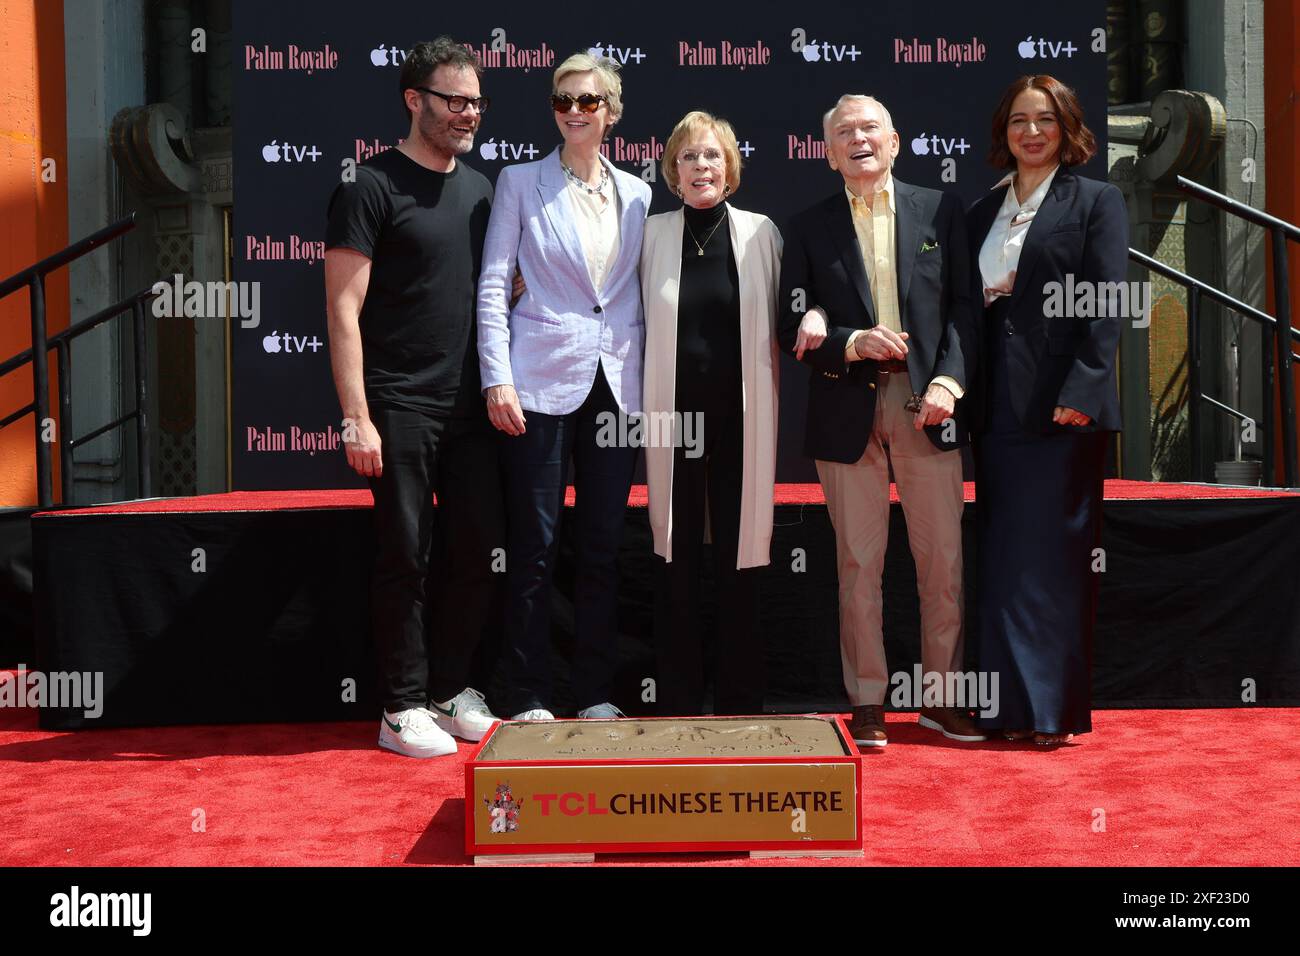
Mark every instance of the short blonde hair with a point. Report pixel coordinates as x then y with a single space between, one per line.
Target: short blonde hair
690 126
606 71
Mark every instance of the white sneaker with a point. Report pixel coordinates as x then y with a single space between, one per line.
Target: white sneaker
605 711
465 715
539 713
414 733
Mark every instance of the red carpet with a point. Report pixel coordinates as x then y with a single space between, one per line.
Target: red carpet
1116 490
1196 788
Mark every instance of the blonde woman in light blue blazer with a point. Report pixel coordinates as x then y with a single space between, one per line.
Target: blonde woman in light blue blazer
565 359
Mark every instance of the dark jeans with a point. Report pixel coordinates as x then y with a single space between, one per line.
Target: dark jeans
457 460
738 646
536 463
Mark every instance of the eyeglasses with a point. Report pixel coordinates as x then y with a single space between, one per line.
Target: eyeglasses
457 104
587 102
710 157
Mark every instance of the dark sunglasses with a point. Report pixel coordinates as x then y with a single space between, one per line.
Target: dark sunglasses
587 102
457 104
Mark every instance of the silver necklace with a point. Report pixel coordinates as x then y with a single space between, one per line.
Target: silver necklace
578 180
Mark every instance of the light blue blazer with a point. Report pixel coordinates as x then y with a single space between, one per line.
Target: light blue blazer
561 330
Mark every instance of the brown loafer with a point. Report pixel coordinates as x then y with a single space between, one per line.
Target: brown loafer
868 726
952 723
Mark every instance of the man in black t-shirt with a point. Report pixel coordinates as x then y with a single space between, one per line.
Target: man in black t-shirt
403 249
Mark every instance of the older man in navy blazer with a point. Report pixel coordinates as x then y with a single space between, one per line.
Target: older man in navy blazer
875 281
556 369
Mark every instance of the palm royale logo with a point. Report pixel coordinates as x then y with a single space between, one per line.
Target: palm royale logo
741 56
939 50
293 249
293 439
300 59
366 148
620 150
806 146
498 53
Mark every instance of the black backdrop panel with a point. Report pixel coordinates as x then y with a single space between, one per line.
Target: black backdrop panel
315 90
279 621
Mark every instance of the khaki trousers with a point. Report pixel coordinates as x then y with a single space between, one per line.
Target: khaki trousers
857 497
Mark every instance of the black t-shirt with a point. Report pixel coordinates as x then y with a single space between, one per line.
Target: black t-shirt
423 232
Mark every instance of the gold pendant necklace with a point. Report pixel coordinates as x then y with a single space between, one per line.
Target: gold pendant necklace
700 248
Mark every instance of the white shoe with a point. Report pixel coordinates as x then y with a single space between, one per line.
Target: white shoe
538 713
605 711
465 716
414 733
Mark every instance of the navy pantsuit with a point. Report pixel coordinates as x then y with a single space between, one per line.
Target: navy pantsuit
1039 484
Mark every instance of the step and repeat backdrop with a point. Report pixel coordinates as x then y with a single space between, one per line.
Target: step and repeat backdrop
316 91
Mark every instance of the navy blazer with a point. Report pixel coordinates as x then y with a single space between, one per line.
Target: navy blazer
822 258
1081 230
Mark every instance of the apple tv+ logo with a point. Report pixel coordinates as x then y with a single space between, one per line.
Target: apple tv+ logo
1029 48
277 152
820 51
277 343
387 56
495 149
935 145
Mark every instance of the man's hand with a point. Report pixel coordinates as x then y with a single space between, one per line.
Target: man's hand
936 406
503 409
365 452
1069 416
812 333
881 344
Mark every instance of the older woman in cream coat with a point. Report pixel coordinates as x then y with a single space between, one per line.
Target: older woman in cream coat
709 275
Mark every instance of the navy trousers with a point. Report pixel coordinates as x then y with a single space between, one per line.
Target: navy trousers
536 468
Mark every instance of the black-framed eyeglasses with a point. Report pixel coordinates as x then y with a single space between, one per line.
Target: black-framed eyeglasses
587 102
457 104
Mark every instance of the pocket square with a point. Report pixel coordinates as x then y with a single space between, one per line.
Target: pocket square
927 246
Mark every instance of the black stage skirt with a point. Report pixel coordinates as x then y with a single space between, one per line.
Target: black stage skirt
1038 508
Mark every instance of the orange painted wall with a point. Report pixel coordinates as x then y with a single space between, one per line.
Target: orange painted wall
1282 142
33 214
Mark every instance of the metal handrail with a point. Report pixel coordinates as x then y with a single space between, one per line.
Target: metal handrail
33 278
1238 208
1281 232
66 255
1195 289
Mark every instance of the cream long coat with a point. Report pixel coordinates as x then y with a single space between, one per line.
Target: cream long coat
756 246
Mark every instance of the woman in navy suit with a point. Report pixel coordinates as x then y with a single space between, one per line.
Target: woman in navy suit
1046 407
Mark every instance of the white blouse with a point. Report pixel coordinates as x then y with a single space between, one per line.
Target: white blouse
1000 254
597 223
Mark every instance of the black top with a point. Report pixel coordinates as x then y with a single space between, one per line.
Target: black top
423 232
708 315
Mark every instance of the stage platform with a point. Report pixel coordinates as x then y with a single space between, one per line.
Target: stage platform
254 606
